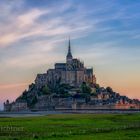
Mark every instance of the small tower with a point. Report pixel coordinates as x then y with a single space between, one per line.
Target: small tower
69 54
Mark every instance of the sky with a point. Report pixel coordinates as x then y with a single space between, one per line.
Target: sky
104 34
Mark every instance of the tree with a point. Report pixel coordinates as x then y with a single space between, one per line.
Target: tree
63 88
85 88
109 89
46 90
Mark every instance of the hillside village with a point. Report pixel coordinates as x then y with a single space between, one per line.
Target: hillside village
69 85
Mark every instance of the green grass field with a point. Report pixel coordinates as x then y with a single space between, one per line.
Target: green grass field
72 127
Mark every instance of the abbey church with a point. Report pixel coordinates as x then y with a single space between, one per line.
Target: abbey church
73 72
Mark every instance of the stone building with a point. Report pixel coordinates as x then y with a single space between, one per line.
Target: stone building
7 106
20 105
73 72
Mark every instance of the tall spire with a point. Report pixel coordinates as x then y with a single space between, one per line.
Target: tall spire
69 54
69 49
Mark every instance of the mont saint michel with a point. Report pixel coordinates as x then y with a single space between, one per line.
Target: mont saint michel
70 70
69 85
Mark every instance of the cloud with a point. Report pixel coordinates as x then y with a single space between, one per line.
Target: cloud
27 25
21 27
28 18
7 39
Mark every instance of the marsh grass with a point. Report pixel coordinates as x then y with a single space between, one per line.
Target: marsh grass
73 127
